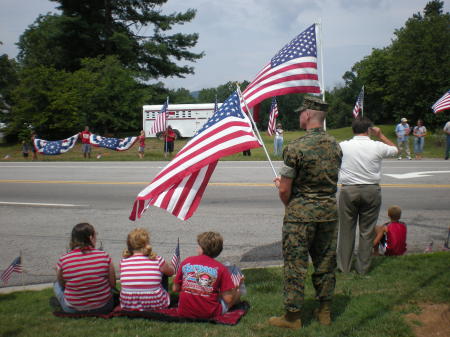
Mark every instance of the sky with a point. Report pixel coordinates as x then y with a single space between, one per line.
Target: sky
239 37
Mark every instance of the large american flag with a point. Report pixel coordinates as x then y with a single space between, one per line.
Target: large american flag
442 103
14 267
176 260
292 70
271 127
116 144
54 147
359 105
159 125
179 187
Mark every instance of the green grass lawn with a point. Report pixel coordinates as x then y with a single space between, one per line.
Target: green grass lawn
364 306
434 148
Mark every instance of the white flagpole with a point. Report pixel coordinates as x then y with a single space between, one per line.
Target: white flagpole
165 127
362 102
256 129
322 81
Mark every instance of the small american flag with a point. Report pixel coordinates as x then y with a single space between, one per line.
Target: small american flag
292 70
359 105
14 267
442 103
176 260
179 187
236 275
159 125
273 117
116 144
55 147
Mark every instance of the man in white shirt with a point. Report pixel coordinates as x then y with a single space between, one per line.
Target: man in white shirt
402 131
447 131
360 193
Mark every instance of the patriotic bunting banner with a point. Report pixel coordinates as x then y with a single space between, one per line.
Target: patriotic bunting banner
53 148
14 267
116 144
442 103
271 127
292 70
179 187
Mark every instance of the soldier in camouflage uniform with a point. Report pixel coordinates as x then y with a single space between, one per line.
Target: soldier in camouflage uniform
307 187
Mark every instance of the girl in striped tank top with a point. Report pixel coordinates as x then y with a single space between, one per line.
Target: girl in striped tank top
141 272
85 275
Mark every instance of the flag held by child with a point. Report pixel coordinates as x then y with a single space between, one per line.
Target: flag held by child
176 260
55 147
14 267
179 187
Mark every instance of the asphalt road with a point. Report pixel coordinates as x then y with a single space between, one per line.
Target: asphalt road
40 202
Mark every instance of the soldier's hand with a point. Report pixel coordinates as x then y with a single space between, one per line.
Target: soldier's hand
277 181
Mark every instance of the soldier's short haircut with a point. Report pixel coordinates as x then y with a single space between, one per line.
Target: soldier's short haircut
395 212
361 125
211 243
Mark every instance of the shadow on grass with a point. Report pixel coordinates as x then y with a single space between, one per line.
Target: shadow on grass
12 333
7 297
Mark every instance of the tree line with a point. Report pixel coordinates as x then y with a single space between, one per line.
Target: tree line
92 65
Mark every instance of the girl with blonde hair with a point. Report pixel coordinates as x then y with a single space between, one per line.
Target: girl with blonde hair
141 273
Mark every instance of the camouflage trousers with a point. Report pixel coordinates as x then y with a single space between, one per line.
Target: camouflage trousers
317 239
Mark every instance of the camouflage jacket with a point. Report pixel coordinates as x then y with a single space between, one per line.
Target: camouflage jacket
313 162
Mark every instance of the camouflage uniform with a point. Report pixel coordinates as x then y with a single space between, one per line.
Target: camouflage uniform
310 221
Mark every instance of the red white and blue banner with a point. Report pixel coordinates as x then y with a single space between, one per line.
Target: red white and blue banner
116 144
55 147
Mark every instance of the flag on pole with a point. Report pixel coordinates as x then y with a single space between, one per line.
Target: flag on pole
116 144
271 127
359 105
292 70
14 267
442 103
159 125
176 260
55 147
236 275
179 187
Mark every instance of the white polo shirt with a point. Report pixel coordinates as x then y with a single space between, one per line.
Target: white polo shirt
361 161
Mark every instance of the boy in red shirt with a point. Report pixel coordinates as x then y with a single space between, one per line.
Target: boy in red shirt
205 285
391 235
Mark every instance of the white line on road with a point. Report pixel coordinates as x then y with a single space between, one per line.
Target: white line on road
36 204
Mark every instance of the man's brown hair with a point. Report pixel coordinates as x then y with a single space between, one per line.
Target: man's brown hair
211 243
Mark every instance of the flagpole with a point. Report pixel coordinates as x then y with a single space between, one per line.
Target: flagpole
165 128
362 105
257 131
319 33
23 269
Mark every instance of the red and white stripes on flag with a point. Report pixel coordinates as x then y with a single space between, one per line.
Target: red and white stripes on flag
179 187
159 125
292 70
442 103
176 259
14 267
271 127
359 105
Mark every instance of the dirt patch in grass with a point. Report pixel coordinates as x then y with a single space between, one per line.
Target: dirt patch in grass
432 321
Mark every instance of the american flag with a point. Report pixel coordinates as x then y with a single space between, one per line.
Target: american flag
179 187
14 267
55 147
176 260
292 70
159 125
442 103
116 144
236 275
359 105
273 117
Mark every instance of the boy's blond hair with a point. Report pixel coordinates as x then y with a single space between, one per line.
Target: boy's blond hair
394 212
211 243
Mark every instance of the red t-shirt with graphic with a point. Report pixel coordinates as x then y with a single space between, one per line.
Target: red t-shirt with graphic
85 137
396 238
202 280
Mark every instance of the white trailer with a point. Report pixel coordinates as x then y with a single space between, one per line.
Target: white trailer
185 119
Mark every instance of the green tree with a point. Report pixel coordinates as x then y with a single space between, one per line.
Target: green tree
8 81
92 28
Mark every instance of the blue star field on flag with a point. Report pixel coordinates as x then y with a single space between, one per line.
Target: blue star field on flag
116 144
56 147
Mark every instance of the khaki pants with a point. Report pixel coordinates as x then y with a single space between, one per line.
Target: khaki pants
357 204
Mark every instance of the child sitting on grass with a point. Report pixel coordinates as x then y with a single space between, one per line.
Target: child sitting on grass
391 236
205 285
141 273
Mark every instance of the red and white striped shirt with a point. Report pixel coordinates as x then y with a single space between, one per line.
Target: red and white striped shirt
86 273
140 278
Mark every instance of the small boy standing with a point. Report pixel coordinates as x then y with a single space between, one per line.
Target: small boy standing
391 235
205 285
